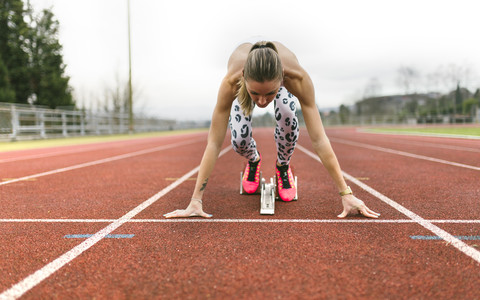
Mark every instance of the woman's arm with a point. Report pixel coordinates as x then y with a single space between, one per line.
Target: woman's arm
320 142
323 148
216 135
298 82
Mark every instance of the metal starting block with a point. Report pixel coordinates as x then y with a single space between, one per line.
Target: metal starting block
267 197
268 194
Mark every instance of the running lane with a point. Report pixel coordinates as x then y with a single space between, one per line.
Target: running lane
465 151
105 190
304 253
17 164
433 189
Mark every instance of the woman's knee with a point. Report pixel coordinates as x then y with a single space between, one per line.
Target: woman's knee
240 128
286 113
287 130
241 137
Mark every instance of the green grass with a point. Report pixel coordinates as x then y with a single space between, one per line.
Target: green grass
454 130
36 144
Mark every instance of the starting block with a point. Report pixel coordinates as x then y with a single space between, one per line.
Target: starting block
268 194
267 197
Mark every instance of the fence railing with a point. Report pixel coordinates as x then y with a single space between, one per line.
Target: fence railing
337 119
31 122
18 122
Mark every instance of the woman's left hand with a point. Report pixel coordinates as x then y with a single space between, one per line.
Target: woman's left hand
353 205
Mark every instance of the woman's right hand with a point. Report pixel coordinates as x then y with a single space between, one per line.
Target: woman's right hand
194 209
352 204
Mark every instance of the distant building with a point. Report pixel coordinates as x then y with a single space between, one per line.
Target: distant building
393 105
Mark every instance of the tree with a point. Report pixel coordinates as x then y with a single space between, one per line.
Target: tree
358 108
458 96
407 79
477 94
469 106
411 107
344 114
14 32
7 94
457 75
32 64
115 97
48 80
373 88
434 81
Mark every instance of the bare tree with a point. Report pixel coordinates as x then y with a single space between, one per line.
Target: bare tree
452 76
372 89
434 81
433 85
115 98
407 79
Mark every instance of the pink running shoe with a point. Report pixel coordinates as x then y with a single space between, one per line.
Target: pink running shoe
251 176
285 183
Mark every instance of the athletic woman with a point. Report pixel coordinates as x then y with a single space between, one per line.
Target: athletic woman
256 76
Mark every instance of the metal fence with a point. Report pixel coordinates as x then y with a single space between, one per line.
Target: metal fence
19 122
385 120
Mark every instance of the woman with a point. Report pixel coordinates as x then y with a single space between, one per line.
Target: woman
258 75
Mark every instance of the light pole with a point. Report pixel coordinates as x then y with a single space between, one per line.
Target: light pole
130 100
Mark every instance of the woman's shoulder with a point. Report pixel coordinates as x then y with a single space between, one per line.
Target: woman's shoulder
238 57
236 63
289 60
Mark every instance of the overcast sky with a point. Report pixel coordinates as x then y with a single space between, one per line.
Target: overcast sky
180 48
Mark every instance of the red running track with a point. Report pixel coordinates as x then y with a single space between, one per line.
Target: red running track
303 251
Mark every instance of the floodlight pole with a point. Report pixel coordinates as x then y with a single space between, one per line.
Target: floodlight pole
130 100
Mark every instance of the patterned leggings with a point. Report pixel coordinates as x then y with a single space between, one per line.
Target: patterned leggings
286 131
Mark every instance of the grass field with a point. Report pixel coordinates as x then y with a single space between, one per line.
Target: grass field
454 130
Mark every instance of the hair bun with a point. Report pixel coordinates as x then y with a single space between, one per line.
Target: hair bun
263 44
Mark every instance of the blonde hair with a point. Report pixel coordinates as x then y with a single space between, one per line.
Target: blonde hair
262 64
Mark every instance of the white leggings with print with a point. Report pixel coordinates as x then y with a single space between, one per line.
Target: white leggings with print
286 130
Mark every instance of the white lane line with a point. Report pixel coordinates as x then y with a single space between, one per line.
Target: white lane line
367 146
101 161
57 220
466 249
32 280
193 220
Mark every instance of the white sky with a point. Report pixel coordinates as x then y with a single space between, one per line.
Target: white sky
180 48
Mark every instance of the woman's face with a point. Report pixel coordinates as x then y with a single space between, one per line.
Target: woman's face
262 93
